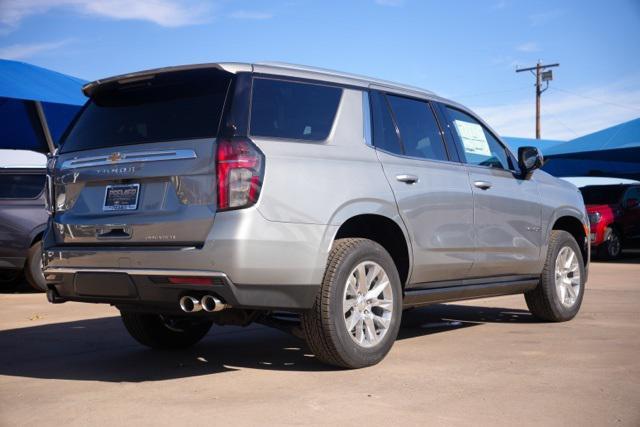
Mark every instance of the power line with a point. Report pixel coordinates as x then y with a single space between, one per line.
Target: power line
553 116
493 92
597 100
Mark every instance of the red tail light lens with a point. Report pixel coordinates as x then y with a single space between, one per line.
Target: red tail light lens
240 166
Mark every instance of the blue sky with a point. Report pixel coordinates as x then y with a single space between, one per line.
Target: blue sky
465 50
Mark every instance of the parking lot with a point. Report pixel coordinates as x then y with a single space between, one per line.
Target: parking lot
482 362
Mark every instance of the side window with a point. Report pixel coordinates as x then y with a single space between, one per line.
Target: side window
632 193
21 186
480 147
384 131
419 131
292 110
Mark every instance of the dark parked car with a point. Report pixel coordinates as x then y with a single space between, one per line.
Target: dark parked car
614 214
23 218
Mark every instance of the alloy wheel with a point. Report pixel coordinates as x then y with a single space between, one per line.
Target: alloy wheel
567 277
368 304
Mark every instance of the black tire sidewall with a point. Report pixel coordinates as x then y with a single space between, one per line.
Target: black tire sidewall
606 252
34 274
354 354
561 312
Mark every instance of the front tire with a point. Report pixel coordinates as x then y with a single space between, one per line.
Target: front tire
559 295
164 332
356 315
611 248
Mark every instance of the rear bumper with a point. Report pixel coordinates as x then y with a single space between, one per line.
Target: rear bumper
145 289
257 264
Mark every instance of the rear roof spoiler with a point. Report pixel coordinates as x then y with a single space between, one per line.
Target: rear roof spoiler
90 88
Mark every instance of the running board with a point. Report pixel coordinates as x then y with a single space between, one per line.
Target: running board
417 297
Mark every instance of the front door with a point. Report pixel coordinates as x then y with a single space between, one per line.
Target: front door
507 208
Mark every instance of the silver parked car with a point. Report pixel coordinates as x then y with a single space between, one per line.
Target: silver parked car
225 193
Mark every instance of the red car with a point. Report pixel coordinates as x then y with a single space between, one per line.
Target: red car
614 214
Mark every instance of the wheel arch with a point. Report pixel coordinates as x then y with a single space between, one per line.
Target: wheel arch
387 232
37 234
616 226
574 226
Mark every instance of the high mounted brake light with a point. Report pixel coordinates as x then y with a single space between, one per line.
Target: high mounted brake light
240 167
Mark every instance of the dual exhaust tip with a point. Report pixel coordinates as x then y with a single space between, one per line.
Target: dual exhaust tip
208 303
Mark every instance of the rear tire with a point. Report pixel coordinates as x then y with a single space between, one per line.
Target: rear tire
164 332
33 268
559 295
10 280
373 308
611 248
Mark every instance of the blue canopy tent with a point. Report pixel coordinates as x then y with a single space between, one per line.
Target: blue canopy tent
612 152
36 105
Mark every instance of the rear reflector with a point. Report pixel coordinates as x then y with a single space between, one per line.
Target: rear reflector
188 280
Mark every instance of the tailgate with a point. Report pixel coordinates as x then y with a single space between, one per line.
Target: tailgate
137 165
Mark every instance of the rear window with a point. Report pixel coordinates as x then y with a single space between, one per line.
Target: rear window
169 106
21 186
292 110
602 194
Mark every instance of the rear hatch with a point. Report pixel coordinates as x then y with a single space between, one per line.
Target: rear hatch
137 166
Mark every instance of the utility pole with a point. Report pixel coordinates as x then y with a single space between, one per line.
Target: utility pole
541 76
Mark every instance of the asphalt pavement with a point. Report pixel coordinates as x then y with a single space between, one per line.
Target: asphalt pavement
481 362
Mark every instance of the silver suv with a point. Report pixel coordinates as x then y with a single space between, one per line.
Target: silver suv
230 193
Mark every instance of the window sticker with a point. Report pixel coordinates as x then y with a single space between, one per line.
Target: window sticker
473 138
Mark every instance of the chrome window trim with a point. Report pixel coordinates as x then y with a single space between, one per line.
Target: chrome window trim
129 157
366 119
420 159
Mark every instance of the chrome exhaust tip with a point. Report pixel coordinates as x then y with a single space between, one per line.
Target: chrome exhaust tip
212 304
190 304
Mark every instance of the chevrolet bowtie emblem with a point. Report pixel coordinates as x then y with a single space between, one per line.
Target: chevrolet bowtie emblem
114 157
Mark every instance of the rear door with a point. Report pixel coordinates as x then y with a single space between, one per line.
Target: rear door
432 192
507 208
138 164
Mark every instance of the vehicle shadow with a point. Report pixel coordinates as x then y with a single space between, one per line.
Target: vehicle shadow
628 256
101 350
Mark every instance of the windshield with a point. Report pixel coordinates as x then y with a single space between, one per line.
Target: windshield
602 194
165 107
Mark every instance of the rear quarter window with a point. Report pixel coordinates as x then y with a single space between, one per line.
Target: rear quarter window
293 110
21 186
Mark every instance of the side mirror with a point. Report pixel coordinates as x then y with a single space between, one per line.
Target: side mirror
632 203
529 159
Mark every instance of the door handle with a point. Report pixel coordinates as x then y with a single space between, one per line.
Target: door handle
406 178
484 185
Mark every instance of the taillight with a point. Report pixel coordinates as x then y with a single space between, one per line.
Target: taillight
240 166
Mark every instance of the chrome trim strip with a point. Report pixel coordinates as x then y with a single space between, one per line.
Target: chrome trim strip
129 157
136 272
366 118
